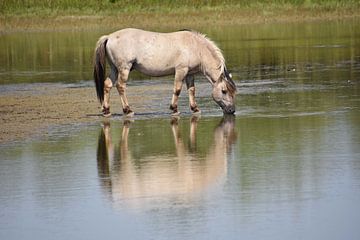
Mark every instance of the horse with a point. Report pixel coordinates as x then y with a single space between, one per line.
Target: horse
183 53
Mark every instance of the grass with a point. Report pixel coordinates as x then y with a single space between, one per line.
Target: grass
80 7
51 14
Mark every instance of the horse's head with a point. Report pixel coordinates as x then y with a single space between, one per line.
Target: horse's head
223 93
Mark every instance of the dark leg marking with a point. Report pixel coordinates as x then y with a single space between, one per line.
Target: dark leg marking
173 108
106 111
177 92
194 108
127 110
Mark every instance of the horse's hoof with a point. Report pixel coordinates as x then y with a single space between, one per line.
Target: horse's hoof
196 113
175 114
108 114
129 115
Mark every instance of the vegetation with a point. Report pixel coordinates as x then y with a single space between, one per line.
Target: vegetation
54 7
31 14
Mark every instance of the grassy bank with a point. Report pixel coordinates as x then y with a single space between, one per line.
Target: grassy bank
89 7
55 14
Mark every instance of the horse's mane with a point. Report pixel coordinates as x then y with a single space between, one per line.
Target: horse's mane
216 51
211 45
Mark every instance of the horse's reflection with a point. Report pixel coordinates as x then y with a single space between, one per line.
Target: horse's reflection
132 182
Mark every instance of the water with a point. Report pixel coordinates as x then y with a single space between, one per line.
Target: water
286 167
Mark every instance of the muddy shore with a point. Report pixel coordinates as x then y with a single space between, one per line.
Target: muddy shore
30 110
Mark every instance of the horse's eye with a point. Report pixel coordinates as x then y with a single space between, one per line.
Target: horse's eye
223 91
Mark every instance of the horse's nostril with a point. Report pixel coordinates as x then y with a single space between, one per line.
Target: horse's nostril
229 110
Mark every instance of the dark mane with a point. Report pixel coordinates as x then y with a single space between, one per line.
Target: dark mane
229 82
186 30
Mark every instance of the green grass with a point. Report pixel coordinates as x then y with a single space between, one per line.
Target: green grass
101 7
20 15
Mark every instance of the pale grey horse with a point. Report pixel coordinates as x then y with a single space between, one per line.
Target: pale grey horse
183 53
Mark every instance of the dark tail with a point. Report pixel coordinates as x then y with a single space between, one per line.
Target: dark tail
100 67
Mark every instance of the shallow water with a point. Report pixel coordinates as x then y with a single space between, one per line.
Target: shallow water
287 166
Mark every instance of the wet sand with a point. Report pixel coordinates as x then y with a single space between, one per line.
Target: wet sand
31 110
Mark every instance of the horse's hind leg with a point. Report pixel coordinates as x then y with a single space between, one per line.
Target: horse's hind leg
108 84
121 87
106 104
191 90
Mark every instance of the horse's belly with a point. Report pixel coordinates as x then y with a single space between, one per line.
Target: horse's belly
155 71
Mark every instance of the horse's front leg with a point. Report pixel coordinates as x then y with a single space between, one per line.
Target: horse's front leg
121 87
190 85
178 82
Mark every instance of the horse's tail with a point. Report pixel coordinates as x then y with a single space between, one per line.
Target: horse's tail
100 67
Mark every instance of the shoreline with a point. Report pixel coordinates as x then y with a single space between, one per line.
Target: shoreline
28 110
31 110
168 20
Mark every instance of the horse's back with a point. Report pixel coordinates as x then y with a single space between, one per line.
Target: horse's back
154 53
143 40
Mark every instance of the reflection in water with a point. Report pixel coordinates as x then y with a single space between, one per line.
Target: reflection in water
253 52
146 182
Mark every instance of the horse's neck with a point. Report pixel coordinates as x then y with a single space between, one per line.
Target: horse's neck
210 65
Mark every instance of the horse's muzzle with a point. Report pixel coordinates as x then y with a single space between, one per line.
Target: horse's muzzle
229 109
